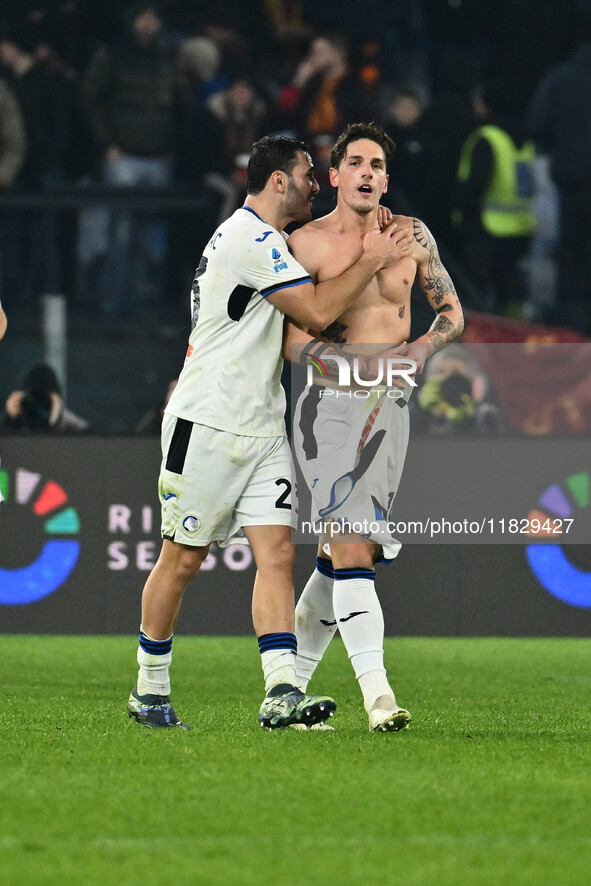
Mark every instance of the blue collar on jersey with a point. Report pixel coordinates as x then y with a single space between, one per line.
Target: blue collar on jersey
248 209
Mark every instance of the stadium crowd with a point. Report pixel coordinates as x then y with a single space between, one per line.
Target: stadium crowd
165 98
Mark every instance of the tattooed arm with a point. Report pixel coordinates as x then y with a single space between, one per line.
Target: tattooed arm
299 346
440 291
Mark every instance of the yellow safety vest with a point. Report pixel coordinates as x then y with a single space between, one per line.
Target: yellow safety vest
507 202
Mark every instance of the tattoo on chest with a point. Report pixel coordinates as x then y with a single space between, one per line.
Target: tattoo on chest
336 332
401 311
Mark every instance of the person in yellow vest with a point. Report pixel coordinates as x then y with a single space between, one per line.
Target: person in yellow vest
494 203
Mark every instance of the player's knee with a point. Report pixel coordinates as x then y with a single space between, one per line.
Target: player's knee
189 560
282 557
354 557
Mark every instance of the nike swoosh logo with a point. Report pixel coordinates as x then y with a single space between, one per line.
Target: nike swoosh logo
353 614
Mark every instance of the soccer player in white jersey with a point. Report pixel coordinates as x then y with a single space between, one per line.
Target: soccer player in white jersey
340 592
226 462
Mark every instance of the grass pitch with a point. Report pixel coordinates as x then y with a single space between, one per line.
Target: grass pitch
490 786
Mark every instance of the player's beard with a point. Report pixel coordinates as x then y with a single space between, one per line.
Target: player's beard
298 205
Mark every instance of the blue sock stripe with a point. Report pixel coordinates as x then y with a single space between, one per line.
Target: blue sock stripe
354 572
268 642
155 647
324 566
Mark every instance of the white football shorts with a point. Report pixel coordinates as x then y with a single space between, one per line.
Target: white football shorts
212 483
350 454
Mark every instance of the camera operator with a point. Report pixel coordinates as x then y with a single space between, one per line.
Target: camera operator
39 406
455 397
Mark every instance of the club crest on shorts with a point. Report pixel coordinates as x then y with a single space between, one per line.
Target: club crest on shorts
191 523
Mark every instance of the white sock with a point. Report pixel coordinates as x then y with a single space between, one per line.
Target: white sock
375 685
315 622
361 623
154 658
278 657
278 667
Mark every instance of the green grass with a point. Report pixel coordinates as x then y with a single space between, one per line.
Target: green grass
490 786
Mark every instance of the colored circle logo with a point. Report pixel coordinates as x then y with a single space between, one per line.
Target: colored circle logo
46 503
549 563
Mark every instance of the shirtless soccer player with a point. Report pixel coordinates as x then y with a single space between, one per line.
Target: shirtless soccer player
351 451
225 454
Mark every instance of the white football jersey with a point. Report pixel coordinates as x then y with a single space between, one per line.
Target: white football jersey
231 378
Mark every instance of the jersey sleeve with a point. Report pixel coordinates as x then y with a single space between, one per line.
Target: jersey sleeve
266 264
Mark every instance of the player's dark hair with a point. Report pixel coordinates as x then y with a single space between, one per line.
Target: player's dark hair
353 133
271 153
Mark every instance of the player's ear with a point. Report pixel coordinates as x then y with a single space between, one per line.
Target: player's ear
279 181
333 177
386 184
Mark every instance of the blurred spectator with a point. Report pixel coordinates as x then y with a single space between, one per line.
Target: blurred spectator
234 28
289 37
39 406
324 95
495 201
12 156
74 28
286 18
13 141
151 422
47 118
3 322
459 29
559 119
455 397
132 96
542 277
199 61
220 140
229 126
404 122
446 123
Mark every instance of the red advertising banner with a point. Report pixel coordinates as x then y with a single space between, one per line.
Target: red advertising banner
540 375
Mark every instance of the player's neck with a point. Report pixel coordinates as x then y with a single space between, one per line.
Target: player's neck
267 211
353 222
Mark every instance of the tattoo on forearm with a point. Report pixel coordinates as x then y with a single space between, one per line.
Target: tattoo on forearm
444 330
442 325
332 367
336 332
